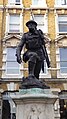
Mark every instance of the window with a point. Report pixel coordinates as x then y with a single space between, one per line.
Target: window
42 22
14 2
38 3
61 2
62 23
63 60
14 23
12 67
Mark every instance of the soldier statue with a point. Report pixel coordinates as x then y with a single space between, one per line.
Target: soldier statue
36 53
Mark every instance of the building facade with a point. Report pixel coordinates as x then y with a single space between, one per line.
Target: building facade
51 17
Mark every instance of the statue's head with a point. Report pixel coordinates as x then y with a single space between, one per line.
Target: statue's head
31 24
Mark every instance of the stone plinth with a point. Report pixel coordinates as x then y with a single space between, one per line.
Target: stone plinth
34 103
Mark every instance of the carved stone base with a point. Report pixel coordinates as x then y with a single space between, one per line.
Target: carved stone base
32 82
35 103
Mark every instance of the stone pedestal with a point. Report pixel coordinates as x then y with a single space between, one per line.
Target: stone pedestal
34 103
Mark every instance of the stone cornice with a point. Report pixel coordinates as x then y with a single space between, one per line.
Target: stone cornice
60 37
11 36
48 80
11 7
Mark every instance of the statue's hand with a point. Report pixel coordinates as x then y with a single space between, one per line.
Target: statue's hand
19 59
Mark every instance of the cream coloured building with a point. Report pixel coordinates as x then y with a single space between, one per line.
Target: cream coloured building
51 16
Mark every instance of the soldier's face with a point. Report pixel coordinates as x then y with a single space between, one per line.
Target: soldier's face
31 27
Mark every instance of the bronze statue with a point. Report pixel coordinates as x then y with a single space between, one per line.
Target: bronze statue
36 53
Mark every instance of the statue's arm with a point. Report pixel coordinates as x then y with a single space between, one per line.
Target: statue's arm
19 49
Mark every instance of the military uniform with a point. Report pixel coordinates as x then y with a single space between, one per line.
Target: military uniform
34 54
33 44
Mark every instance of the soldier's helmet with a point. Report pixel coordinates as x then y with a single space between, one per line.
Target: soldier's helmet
31 21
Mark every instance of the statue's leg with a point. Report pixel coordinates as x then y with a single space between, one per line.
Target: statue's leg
37 69
31 67
32 63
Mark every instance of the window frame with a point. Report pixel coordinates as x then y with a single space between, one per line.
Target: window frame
57 25
60 62
59 74
39 5
61 23
61 4
8 21
45 31
20 3
14 24
11 41
11 68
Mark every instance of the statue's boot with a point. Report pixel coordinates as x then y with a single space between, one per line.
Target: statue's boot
31 67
